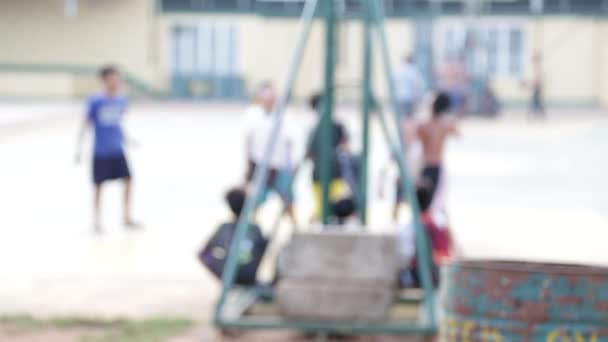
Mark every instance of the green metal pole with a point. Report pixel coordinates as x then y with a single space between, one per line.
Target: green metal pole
366 105
325 128
424 259
261 172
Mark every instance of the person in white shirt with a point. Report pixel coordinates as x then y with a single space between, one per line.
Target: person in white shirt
258 122
409 87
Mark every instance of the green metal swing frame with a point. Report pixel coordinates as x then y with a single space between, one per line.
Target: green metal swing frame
230 314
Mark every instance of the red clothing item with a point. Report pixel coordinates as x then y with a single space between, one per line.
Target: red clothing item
441 240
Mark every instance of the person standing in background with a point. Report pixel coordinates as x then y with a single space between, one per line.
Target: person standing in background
105 112
409 87
537 102
453 80
339 187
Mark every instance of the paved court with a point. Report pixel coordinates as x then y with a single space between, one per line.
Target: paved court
517 189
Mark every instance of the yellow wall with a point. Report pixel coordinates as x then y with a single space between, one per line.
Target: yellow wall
266 45
602 47
43 85
570 57
131 34
117 31
570 47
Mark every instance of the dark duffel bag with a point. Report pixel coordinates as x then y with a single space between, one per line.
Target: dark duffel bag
251 251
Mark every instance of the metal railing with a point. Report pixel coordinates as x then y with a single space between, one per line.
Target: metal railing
134 83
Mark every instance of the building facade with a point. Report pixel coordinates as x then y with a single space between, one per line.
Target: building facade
219 49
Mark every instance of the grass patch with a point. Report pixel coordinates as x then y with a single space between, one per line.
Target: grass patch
150 330
101 330
20 323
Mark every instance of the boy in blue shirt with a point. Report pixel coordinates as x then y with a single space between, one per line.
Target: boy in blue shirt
104 115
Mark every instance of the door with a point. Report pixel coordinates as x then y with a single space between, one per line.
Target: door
204 61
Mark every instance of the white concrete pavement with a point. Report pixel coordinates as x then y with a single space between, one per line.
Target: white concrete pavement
516 190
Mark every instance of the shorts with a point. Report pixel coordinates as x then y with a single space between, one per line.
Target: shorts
429 181
110 168
279 181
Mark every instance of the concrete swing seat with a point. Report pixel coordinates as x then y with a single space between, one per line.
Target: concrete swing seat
338 276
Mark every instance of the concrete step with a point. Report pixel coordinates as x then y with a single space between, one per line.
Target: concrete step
341 256
338 276
334 300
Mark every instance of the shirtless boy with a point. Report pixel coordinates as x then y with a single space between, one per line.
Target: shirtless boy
433 134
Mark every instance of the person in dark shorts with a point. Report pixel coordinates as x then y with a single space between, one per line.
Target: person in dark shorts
104 115
433 134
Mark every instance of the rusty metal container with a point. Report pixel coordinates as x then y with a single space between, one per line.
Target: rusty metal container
502 301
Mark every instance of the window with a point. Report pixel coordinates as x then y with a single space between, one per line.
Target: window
70 8
184 50
515 51
486 48
492 43
205 49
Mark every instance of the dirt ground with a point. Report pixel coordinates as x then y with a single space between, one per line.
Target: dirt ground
201 334
45 335
512 184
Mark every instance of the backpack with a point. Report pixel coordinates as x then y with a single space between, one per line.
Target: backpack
215 253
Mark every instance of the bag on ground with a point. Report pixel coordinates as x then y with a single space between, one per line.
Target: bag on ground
251 251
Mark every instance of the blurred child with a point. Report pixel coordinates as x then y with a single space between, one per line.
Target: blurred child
259 122
105 112
339 188
409 87
433 135
537 102
453 81
251 251
490 105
